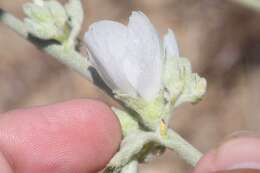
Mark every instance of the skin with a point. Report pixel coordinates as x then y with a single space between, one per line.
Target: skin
237 155
81 136
78 136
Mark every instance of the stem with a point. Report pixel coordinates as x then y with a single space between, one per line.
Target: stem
131 167
184 149
66 55
253 4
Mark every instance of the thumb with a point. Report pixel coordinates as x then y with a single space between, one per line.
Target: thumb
77 136
237 155
4 165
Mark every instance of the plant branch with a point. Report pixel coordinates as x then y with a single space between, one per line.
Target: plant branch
253 4
64 54
175 142
131 167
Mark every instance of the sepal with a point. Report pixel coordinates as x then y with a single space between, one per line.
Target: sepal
76 14
194 90
181 84
128 124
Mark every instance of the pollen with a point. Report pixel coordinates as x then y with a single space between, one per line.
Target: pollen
163 128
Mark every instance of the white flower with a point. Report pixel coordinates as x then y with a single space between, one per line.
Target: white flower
129 58
170 45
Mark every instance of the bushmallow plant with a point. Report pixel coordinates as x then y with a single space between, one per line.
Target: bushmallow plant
146 74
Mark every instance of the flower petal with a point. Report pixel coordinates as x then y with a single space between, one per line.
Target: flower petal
143 64
107 43
170 45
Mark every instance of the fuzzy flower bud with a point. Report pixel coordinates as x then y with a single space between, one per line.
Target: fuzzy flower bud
46 20
182 85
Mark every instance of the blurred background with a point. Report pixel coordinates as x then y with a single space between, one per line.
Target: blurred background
220 38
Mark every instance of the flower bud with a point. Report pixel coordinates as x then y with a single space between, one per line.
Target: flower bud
46 20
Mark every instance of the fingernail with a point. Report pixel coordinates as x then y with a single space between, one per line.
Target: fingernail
242 133
239 153
240 171
239 134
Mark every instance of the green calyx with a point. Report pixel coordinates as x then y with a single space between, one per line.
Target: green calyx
150 113
128 123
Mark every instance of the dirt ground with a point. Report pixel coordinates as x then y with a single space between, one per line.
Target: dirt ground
221 39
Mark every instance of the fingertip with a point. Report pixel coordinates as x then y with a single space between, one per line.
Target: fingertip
206 163
103 128
237 153
79 136
242 152
4 165
107 128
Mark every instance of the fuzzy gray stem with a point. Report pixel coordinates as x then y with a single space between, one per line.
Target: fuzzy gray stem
253 4
131 167
66 55
184 149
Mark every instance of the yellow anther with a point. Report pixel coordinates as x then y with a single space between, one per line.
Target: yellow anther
163 128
